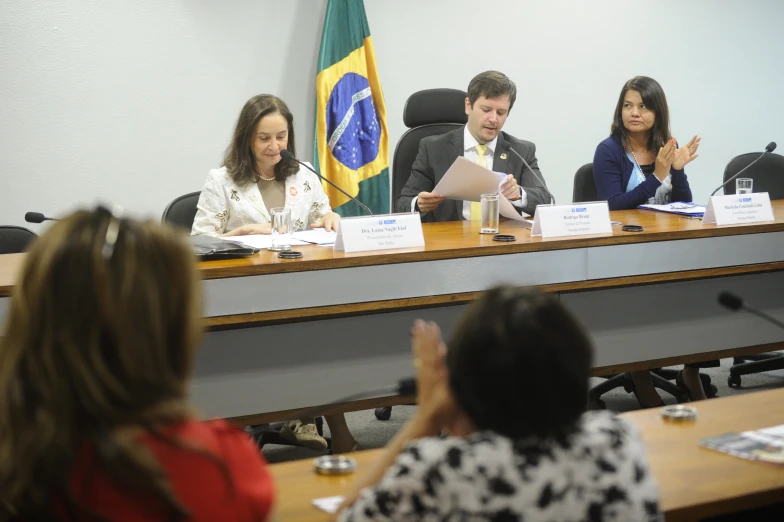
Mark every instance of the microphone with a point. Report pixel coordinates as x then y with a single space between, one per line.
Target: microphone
770 148
289 156
37 217
734 303
540 180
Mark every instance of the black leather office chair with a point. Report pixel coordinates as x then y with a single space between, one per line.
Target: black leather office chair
427 113
768 176
15 240
767 173
584 186
585 190
182 211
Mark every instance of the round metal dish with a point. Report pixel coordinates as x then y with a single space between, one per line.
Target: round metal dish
334 465
679 412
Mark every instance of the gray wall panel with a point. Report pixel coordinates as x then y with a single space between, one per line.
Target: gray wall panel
688 254
374 283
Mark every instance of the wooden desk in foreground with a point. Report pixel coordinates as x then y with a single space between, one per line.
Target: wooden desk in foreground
694 482
286 335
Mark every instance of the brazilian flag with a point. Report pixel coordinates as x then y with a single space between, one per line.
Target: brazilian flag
351 146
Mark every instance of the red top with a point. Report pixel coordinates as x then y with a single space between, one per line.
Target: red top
197 482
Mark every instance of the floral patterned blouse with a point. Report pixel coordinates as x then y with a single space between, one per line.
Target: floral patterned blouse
224 206
601 474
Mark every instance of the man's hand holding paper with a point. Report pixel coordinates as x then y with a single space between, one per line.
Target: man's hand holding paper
468 181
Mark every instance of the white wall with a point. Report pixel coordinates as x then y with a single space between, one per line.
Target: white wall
134 101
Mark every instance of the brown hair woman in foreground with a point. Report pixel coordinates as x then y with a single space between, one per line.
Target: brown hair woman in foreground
95 363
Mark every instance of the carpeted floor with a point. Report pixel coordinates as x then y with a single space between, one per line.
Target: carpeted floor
372 433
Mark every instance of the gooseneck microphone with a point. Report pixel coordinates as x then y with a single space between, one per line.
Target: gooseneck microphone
289 156
770 148
540 180
37 217
733 302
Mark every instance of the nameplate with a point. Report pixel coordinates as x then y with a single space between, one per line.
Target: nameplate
572 220
738 209
383 232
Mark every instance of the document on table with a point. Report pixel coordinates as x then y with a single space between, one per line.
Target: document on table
328 504
316 236
261 240
679 207
468 181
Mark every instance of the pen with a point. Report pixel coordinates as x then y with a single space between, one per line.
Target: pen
691 217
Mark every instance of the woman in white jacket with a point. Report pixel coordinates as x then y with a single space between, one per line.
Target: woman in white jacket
254 178
237 198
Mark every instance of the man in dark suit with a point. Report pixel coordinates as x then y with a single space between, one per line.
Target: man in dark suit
491 96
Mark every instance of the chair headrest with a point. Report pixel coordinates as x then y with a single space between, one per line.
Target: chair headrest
435 106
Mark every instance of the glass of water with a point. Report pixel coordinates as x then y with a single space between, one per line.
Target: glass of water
281 229
744 185
489 209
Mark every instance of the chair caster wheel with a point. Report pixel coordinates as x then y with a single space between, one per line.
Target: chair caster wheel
383 414
733 381
598 404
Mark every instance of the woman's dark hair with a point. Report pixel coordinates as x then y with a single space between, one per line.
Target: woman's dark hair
518 364
491 84
653 97
239 160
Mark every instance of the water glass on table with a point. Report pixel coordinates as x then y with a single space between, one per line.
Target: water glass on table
490 206
744 186
281 229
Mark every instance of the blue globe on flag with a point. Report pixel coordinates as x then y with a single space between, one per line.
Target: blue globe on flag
353 130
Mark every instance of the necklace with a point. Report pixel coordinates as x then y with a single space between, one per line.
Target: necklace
634 156
262 178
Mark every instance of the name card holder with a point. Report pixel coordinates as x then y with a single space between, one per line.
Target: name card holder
381 232
580 219
738 209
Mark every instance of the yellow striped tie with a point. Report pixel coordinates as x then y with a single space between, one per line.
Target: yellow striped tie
476 206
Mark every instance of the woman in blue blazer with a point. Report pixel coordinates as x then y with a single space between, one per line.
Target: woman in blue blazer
641 163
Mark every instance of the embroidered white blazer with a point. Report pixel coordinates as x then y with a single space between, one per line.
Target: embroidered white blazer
224 206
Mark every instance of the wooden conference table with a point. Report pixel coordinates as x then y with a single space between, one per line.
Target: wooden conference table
694 482
287 335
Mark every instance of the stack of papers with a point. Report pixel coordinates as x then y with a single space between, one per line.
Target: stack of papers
261 240
766 445
679 207
467 181
316 236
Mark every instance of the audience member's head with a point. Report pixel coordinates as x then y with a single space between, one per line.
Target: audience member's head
519 364
100 336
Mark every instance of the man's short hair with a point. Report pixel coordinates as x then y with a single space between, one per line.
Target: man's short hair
491 84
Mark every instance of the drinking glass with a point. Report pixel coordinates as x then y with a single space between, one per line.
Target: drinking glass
489 209
281 229
744 185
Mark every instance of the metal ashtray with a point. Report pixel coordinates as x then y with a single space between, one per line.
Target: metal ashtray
679 412
334 465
